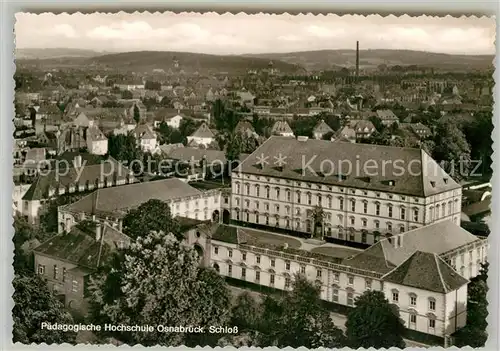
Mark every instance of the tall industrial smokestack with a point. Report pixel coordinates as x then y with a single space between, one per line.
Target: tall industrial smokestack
357 60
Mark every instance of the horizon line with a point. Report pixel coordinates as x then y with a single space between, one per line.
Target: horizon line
106 52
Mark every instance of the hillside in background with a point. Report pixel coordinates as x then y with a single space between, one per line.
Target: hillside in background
369 59
189 62
144 61
37 54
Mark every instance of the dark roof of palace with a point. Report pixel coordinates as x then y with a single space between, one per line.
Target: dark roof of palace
405 171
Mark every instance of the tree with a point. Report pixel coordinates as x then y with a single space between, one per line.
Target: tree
474 333
374 323
158 281
137 114
127 94
124 148
34 304
24 232
299 319
153 215
246 312
452 148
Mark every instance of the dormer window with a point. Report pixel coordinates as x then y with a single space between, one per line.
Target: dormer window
433 184
445 180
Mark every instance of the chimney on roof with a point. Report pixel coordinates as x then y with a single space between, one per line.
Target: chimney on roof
77 161
98 231
357 60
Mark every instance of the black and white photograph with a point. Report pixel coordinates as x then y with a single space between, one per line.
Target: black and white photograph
252 180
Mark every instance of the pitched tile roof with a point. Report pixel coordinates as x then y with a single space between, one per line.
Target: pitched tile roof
81 247
322 127
118 200
144 131
407 175
438 238
386 115
89 173
281 127
203 132
426 271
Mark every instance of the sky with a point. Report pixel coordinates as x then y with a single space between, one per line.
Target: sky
260 33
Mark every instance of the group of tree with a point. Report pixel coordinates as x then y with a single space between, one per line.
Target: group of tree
34 303
474 333
151 85
123 147
157 280
304 125
299 318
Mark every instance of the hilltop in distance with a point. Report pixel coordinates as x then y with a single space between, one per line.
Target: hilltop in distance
292 62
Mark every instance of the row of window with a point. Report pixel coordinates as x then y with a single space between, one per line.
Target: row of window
196 203
353 208
319 272
431 302
74 283
287 192
275 220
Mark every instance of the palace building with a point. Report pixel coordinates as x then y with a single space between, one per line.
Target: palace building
109 205
424 272
354 192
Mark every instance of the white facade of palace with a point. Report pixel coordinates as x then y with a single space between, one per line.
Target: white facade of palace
288 204
429 312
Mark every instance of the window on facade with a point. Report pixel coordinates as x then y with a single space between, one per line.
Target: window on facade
64 274
377 209
336 276
298 197
257 190
443 209
365 207
432 304
277 207
403 213
230 270
41 269
257 276
309 199
364 222
377 224
319 200
287 283
351 236
230 252
243 256
341 203
267 220
267 192
318 273
329 202
273 262
257 204
74 286
350 280
413 300
395 296
303 269
432 323
413 318
277 193
237 188
401 228
368 284
271 279
350 299
415 215
257 218
389 209
247 214
56 272
237 215
243 273
353 205
335 295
